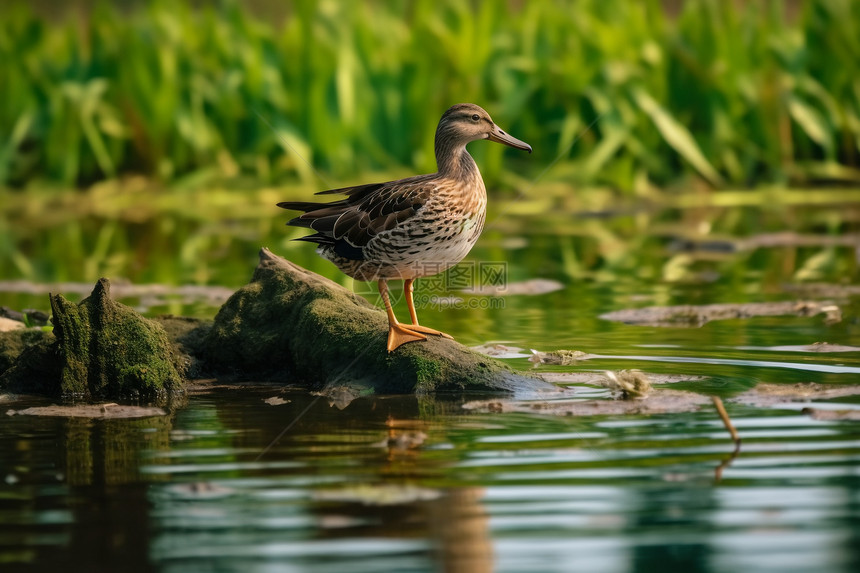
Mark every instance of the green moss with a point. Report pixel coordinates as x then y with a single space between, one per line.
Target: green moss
72 328
103 350
293 325
188 336
288 324
36 370
113 351
14 342
427 372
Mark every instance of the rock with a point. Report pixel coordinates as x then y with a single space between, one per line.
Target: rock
7 324
13 343
102 411
29 317
188 336
698 315
292 325
288 325
768 395
103 350
36 317
34 366
559 357
659 401
500 350
11 314
832 415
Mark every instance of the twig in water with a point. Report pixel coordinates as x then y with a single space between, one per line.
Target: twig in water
727 422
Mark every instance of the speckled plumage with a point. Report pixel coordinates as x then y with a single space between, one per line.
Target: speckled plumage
445 221
413 227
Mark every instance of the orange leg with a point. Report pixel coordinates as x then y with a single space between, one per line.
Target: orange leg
398 334
409 288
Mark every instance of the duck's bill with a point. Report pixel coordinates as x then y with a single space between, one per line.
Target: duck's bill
500 136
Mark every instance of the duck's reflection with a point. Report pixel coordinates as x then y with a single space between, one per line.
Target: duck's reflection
459 524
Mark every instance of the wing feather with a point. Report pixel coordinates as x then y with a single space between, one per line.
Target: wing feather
349 224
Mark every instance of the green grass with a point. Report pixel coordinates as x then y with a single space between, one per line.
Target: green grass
625 96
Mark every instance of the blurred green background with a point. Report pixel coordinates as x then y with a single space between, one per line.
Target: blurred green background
729 93
686 152
674 140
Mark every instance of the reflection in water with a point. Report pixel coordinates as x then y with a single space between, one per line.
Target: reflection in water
233 483
418 484
77 497
727 422
459 527
683 516
718 472
107 452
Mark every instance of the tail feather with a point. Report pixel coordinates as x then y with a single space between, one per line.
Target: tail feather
317 238
303 206
358 190
299 222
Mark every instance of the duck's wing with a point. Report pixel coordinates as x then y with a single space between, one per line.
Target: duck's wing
349 224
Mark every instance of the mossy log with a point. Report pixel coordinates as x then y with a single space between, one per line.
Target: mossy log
103 350
287 325
291 324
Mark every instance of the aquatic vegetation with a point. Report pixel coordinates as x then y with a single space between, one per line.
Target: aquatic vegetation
724 93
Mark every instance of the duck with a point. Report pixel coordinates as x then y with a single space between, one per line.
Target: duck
410 228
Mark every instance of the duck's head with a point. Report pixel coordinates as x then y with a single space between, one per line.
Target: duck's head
467 122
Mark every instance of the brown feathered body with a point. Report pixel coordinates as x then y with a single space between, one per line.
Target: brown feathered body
425 225
409 228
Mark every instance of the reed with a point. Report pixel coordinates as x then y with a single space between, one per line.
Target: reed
622 94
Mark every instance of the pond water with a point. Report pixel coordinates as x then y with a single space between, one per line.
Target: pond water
227 481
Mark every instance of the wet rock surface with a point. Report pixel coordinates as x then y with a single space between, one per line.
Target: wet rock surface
295 326
288 325
99 411
698 315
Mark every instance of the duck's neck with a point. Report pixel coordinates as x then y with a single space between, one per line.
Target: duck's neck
454 161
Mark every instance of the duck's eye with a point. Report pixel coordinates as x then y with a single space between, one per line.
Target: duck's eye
476 117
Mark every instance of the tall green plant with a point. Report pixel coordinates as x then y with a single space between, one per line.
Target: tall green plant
619 92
